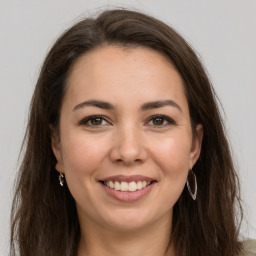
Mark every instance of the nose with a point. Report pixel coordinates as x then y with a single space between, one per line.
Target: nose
128 146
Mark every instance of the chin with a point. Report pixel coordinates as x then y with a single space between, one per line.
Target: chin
128 220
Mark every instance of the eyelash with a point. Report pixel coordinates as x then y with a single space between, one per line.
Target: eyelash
88 119
167 121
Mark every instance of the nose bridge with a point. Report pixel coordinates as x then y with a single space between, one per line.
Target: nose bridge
128 145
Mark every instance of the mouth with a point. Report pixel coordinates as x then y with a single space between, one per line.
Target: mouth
127 188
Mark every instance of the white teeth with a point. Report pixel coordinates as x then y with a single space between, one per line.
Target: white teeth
125 186
139 185
117 185
111 184
132 186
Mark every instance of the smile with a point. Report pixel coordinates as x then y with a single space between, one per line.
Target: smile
127 188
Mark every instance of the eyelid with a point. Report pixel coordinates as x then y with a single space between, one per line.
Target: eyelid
170 120
85 120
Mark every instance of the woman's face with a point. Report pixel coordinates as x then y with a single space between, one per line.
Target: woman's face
125 143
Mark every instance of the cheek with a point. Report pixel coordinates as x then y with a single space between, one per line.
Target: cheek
82 158
172 155
82 155
172 158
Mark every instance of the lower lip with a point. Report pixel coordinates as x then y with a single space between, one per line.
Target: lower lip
127 196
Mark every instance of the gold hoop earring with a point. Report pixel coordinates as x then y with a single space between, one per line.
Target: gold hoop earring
61 179
190 178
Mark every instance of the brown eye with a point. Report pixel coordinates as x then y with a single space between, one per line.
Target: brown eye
158 121
96 121
161 121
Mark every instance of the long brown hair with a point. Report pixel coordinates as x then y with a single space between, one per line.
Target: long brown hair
44 217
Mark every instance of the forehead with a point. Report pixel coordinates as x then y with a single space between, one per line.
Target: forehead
111 59
113 72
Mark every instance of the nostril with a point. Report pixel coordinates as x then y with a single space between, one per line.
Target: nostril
128 151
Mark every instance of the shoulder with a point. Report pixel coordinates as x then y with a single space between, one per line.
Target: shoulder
249 248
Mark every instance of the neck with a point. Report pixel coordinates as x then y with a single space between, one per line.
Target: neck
151 240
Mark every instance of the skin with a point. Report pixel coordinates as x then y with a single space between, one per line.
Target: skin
127 141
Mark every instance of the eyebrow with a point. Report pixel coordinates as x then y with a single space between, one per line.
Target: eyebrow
159 104
94 103
144 107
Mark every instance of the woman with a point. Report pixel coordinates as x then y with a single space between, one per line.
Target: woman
125 149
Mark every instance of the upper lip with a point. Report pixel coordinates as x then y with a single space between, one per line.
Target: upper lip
125 178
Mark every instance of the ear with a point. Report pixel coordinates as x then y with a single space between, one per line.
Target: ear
196 145
56 148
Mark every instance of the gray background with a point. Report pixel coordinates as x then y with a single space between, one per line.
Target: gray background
223 32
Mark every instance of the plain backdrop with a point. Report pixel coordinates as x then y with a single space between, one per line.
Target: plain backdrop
222 32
